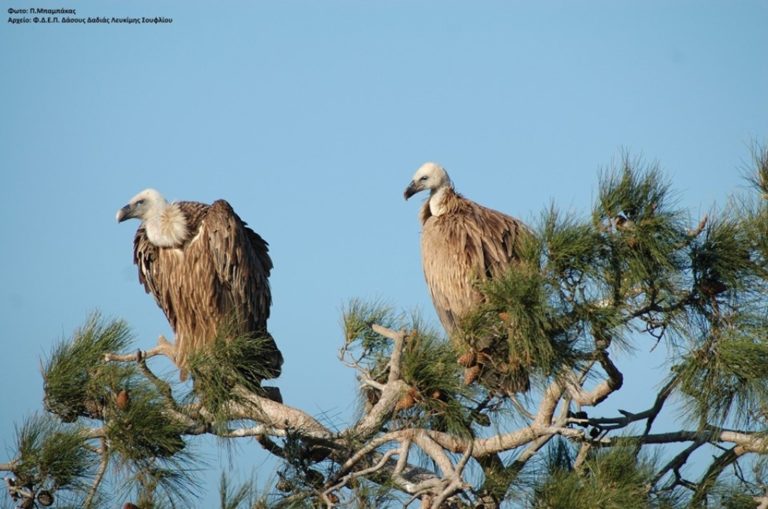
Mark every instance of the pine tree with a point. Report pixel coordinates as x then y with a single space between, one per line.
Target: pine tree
638 273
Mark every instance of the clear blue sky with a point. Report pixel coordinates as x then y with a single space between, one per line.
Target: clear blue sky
310 118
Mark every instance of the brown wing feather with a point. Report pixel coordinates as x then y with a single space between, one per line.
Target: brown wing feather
144 256
156 268
467 243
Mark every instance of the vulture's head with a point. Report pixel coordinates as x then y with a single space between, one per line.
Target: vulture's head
143 206
430 176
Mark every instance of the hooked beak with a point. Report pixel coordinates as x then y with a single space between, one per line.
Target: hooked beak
124 213
411 190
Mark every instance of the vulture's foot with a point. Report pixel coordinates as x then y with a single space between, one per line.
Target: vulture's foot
166 347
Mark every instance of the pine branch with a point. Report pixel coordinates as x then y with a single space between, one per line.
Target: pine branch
627 418
676 463
604 389
713 472
391 392
163 347
749 442
103 463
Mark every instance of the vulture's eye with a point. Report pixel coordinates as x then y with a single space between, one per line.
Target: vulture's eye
423 178
139 202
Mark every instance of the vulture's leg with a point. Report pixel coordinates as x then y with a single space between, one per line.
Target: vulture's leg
166 347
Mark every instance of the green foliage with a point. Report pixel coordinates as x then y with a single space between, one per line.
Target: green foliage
52 455
642 231
244 496
516 329
735 498
584 285
366 495
369 348
429 366
142 430
161 486
610 479
755 213
727 377
536 318
569 248
357 318
77 380
226 363
721 258
759 174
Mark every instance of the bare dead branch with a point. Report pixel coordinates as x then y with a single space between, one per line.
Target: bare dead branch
453 486
700 228
456 481
380 464
162 386
434 451
276 416
713 472
397 350
627 418
548 404
676 463
582 456
749 442
163 347
103 463
391 392
402 460
762 501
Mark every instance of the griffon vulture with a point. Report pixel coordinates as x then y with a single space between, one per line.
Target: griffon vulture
206 269
463 243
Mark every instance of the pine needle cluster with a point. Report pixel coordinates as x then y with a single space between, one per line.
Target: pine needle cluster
223 366
77 381
614 478
439 398
52 455
141 429
139 435
727 376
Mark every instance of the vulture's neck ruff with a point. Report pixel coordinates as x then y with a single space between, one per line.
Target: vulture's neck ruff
437 199
167 226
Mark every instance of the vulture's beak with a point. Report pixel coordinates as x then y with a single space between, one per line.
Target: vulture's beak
411 190
124 213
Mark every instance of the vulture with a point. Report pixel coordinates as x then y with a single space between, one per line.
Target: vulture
208 272
463 243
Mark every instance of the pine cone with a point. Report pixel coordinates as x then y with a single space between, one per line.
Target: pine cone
471 374
406 401
468 359
123 400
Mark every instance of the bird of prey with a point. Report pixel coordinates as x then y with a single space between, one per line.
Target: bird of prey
463 243
208 272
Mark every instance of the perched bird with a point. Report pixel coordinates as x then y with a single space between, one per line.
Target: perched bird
462 243
207 271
